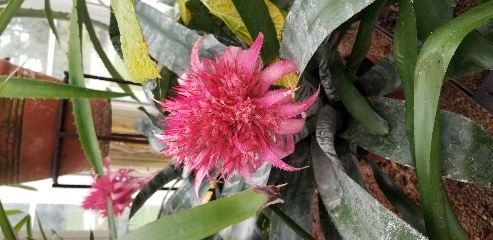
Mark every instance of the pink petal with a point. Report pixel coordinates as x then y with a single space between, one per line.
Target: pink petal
286 99
273 97
194 57
245 172
251 59
291 126
199 176
274 72
230 56
269 156
291 110
282 147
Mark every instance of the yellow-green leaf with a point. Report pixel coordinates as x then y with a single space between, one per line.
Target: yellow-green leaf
137 61
184 12
277 18
226 11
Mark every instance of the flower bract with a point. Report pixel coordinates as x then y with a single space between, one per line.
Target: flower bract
225 117
117 186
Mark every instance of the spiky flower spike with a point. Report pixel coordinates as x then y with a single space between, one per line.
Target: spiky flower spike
118 186
224 116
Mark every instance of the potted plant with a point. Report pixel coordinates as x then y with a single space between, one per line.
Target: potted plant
225 123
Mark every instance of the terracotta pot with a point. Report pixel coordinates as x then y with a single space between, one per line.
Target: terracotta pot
28 132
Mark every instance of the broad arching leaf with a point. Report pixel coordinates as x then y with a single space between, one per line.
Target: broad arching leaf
205 220
309 22
170 43
355 213
139 65
431 66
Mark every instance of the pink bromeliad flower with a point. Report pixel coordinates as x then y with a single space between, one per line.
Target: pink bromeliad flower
224 116
118 186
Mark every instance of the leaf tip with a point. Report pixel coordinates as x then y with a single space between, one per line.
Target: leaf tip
273 193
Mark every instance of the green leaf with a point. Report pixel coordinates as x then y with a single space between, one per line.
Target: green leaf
316 19
7 230
410 211
327 54
148 130
477 49
22 222
170 41
81 107
460 66
355 213
289 222
18 87
466 148
9 76
432 64
163 177
207 219
406 54
162 88
298 194
236 183
255 15
25 187
203 20
185 197
139 65
13 212
42 231
430 15
114 33
185 14
355 103
8 13
363 38
329 230
229 14
49 16
346 151
381 79
40 13
283 4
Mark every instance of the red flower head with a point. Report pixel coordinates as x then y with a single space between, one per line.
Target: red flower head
224 116
118 186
